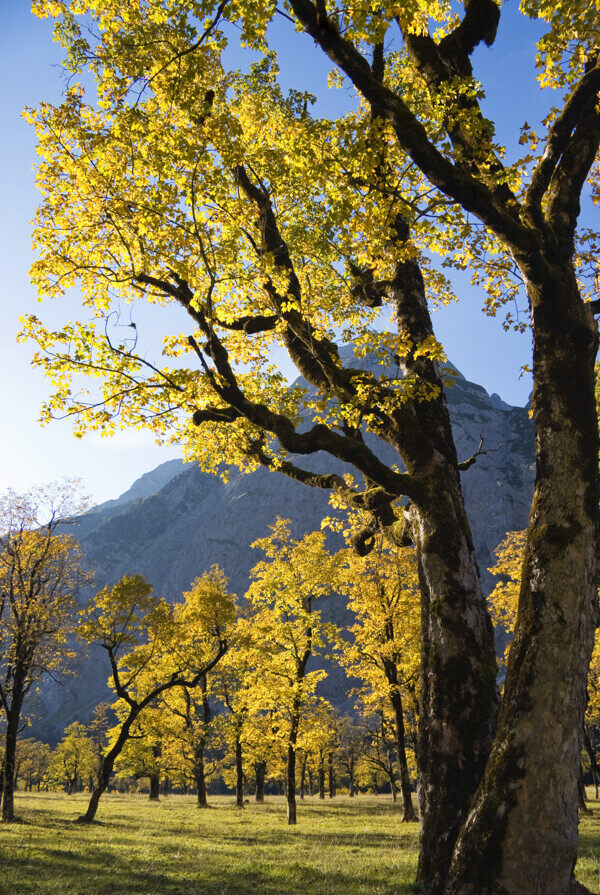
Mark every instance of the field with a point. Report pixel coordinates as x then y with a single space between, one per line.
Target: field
340 847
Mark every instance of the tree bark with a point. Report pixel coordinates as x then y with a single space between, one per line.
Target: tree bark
409 810
321 779
10 754
154 787
239 774
260 770
199 776
291 784
521 835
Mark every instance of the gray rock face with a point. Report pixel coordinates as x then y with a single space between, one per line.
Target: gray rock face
176 521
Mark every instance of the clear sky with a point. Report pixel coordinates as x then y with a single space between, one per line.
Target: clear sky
30 72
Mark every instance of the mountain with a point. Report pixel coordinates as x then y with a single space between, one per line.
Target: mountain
176 521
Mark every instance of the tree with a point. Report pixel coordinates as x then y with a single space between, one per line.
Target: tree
154 190
33 758
74 761
169 647
40 576
384 649
268 227
285 631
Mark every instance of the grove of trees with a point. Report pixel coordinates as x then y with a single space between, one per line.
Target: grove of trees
171 176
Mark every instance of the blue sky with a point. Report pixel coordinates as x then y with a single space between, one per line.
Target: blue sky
29 72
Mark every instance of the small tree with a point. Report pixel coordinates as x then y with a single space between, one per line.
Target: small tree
384 649
168 647
33 758
74 761
40 575
285 630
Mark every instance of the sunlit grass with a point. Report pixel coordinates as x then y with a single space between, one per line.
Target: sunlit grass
340 847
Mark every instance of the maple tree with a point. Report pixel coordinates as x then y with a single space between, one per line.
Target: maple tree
32 763
192 183
74 761
40 576
383 651
168 646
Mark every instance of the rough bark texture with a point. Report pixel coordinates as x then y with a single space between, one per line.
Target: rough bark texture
458 706
521 836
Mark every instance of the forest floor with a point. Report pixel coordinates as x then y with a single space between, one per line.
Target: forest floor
339 847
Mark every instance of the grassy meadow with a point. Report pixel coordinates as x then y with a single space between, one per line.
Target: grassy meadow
340 847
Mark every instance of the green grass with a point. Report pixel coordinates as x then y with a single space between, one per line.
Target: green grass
340 847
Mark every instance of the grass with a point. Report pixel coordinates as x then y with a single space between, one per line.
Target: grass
340 847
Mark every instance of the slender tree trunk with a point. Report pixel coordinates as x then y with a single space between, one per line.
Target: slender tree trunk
592 757
310 782
581 795
393 786
521 836
351 779
303 775
409 811
106 769
322 779
10 753
154 787
331 776
199 776
291 784
260 769
239 774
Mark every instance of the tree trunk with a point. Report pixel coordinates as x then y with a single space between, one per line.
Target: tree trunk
409 810
260 769
154 787
351 778
321 779
393 786
10 753
239 774
106 769
310 782
291 784
581 796
331 776
199 776
592 757
521 836
459 700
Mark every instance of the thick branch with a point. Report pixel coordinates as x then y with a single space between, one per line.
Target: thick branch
453 180
559 138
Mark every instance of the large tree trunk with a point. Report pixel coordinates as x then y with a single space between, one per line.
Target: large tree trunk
239 774
409 810
459 701
10 753
521 836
